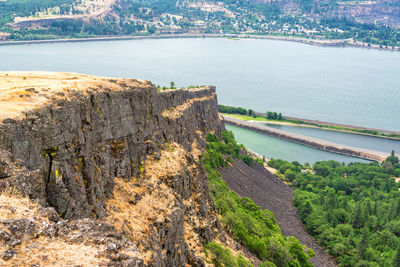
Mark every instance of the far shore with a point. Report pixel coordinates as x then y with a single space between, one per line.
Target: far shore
317 42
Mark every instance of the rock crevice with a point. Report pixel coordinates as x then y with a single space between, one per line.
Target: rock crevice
71 143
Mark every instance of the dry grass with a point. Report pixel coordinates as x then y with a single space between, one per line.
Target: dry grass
157 200
136 207
26 91
176 112
196 150
135 219
193 241
43 250
171 162
14 206
54 252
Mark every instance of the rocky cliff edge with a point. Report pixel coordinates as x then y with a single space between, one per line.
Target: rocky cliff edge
105 167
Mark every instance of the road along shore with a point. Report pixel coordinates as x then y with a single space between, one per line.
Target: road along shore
309 141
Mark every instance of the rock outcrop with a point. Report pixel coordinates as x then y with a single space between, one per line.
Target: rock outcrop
115 150
31 235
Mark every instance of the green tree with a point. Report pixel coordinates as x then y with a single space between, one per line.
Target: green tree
392 158
357 217
290 175
251 113
305 209
172 85
272 115
363 245
396 259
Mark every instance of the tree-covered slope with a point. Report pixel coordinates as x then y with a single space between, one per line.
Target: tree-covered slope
246 222
353 210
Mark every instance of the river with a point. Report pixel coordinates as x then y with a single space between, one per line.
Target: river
345 85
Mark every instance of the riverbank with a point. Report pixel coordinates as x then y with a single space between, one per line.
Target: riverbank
110 38
347 126
318 42
309 141
322 125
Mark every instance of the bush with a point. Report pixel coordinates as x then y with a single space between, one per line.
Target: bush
232 110
221 256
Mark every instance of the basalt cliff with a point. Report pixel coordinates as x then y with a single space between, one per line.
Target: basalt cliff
104 168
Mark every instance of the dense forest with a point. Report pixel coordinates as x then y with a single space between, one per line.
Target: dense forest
246 222
352 210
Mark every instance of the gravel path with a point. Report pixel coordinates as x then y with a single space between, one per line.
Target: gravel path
270 193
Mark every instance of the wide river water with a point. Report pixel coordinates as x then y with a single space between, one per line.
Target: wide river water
347 85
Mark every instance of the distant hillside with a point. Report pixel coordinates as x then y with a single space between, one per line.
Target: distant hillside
378 12
370 22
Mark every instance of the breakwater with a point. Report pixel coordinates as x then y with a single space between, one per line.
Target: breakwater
309 141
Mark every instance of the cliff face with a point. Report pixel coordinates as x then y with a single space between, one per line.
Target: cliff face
115 150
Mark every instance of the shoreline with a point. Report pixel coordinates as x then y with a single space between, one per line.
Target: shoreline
378 156
343 125
316 42
292 124
328 129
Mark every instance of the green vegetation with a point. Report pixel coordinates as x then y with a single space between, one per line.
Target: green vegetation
232 110
352 210
172 86
195 86
241 218
243 114
274 116
220 256
314 20
248 118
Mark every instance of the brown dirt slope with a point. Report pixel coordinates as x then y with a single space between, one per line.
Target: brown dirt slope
270 193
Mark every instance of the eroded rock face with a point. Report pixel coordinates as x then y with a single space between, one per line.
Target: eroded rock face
27 182
6 167
79 146
70 151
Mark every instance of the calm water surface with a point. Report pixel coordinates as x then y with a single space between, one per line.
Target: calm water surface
348 85
273 147
356 140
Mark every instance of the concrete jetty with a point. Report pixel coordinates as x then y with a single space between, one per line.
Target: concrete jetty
373 155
